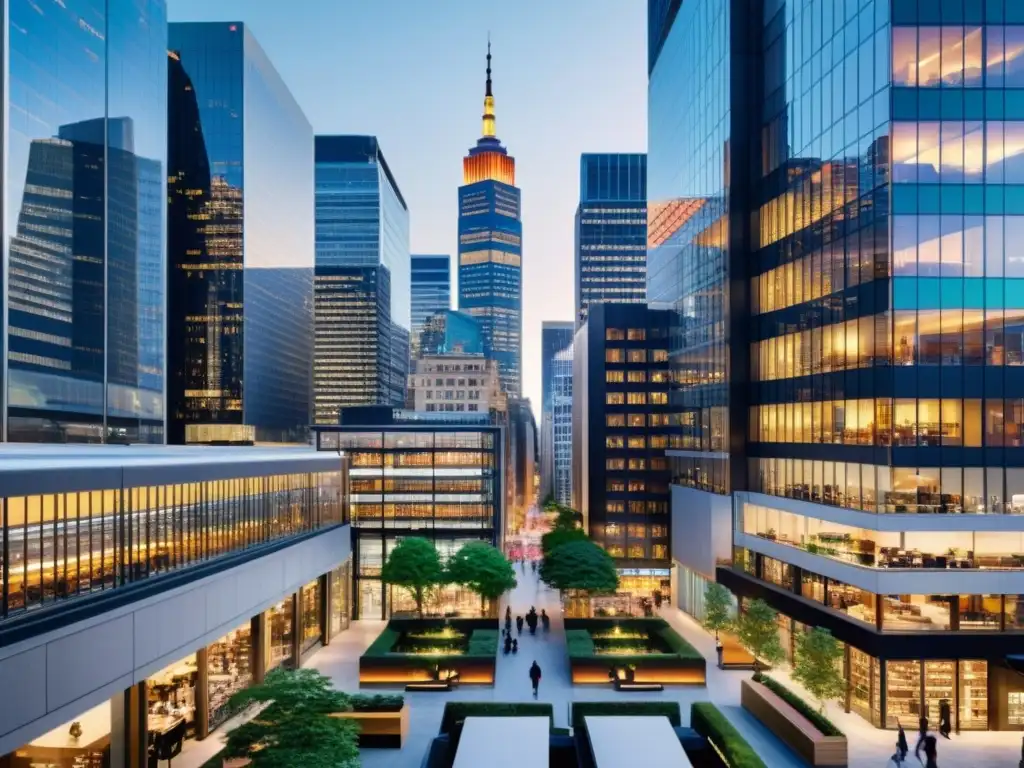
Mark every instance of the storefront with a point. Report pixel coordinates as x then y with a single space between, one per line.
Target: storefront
280 637
311 617
229 663
81 743
340 581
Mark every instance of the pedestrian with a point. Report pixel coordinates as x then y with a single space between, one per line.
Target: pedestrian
519 625
945 726
508 624
922 734
515 646
533 564
901 745
931 752
535 677
508 644
508 612
545 619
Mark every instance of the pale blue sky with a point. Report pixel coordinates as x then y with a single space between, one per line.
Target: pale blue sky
569 77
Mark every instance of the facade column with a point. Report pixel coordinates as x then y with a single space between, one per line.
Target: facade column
258 638
325 608
202 693
297 629
129 731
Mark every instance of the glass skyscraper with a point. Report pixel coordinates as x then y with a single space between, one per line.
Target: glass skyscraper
240 226
838 243
490 247
431 292
85 181
362 228
611 231
451 333
555 336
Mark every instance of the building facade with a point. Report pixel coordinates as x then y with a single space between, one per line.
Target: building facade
611 231
431 292
150 584
457 383
561 427
84 235
555 336
240 243
522 464
362 245
439 476
862 453
620 431
451 333
490 247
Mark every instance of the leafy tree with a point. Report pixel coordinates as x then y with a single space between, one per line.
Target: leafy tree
567 518
758 630
717 608
483 569
579 565
295 726
817 665
415 565
554 538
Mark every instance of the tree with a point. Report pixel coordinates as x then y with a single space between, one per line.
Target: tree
758 630
816 667
717 608
579 565
415 565
295 727
483 569
558 536
567 518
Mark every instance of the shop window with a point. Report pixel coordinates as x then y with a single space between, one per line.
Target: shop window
903 613
171 696
973 695
860 683
281 628
230 670
310 615
902 692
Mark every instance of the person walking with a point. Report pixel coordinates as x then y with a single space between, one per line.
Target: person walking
545 619
533 564
922 734
931 752
519 625
945 721
535 677
901 745
508 612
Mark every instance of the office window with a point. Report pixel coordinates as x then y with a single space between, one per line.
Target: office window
615 420
615 464
614 334
636 377
637 356
614 441
636 334
613 356
614 377
637 398
615 398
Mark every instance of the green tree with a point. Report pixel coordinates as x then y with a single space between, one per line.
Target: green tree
415 565
558 536
579 565
483 569
567 518
295 726
817 665
717 608
758 630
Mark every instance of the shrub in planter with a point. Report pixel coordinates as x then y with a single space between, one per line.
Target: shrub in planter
818 720
706 720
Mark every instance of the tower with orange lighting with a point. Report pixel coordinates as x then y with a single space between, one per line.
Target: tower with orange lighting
490 247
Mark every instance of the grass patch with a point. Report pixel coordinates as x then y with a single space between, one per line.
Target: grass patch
483 642
581 709
818 720
706 720
383 644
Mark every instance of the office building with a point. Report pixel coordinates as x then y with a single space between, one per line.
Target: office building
561 426
457 383
451 333
151 583
85 168
522 464
490 247
620 431
845 335
611 231
431 292
362 246
555 336
435 475
240 243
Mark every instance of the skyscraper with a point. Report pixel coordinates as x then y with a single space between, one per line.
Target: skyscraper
561 427
555 336
240 266
842 253
362 228
611 231
85 183
451 332
490 247
431 292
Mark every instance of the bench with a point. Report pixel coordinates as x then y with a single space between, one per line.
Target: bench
622 685
430 685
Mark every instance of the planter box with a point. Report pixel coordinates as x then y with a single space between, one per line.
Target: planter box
669 670
398 670
795 730
734 655
381 729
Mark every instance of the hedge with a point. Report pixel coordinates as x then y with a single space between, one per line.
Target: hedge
579 642
706 720
383 644
456 712
818 720
377 702
483 642
678 645
581 709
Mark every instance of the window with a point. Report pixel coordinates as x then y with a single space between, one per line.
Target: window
637 420
659 398
636 443
614 377
613 356
613 441
613 506
615 486
659 441
637 398
659 356
637 507
637 356
638 464
615 398
637 486
614 334
636 334
615 420
636 377
615 464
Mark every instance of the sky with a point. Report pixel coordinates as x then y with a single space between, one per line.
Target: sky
569 77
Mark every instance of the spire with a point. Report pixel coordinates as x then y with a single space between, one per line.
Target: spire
488 96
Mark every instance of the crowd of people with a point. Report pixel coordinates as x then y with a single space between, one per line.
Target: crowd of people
926 741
